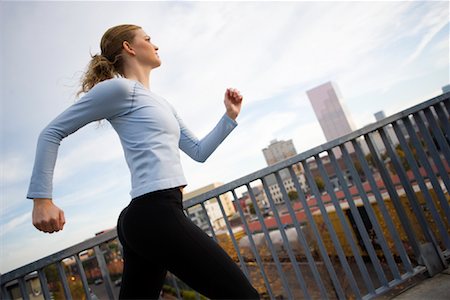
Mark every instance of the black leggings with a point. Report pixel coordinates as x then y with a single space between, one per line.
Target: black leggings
158 237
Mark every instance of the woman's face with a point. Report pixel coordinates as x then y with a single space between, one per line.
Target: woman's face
146 51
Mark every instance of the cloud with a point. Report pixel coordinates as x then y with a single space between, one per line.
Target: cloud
13 169
441 22
15 223
85 150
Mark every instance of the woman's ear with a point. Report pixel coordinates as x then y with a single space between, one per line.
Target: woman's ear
127 47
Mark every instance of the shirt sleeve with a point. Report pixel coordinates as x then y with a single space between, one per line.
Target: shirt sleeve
200 150
106 100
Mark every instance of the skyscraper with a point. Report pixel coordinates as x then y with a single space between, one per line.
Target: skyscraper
333 118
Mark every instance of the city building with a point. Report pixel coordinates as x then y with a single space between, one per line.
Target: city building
379 116
330 111
213 212
278 151
446 88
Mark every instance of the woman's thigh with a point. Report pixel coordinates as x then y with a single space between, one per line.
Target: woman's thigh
201 263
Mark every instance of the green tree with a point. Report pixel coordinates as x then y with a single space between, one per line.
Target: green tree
293 195
251 209
320 184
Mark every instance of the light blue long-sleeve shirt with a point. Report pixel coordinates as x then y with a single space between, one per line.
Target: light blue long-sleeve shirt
149 129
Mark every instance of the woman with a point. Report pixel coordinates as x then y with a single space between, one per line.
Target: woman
155 233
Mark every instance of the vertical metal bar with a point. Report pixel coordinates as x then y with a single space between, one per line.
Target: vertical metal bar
286 243
433 151
446 102
209 222
272 248
331 231
253 246
437 133
233 239
175 284
83 277
63 277
373 220
426 164
428 200
443 118
411 195
386 217
300 235
44 284
359 224
105 272
406 225
5 293
337 285
23 289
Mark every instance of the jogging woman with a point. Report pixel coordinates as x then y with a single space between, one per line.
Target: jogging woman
155 233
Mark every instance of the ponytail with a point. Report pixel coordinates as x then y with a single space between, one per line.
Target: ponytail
98 70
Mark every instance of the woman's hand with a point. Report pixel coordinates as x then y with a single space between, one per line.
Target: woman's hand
233 102
47 217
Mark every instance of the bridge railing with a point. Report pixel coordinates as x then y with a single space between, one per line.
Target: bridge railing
351 218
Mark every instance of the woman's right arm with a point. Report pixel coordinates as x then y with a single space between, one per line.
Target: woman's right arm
106 100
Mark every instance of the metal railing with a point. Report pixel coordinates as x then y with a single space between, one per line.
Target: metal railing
358 216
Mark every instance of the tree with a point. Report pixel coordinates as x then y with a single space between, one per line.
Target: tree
320 184
293 195
251 209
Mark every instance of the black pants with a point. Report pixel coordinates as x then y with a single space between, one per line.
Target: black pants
158 237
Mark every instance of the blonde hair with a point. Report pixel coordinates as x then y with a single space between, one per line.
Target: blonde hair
109 62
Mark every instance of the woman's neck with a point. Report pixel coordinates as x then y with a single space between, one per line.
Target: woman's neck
138 74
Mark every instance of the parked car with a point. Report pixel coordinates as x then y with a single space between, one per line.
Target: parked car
118 282
98 281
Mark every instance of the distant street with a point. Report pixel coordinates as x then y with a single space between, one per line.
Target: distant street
100 291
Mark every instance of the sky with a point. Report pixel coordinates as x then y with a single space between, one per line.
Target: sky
382 55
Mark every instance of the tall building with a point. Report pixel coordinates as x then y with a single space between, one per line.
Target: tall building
278 151
333 118
331 113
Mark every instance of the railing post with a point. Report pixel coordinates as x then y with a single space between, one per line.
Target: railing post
83 277
104 271
23 289
44 285
63 277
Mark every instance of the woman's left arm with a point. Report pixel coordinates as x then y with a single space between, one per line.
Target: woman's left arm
200 150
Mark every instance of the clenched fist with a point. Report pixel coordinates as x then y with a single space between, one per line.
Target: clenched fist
233 102
47 217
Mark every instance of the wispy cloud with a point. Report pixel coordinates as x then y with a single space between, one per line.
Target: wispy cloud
13 169
100 147
14 223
